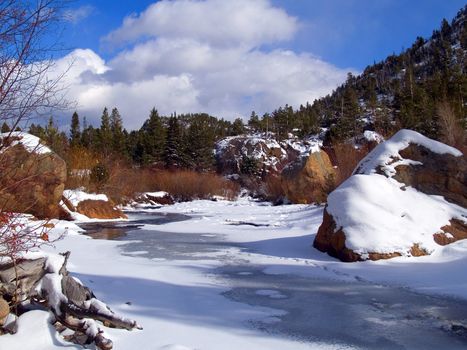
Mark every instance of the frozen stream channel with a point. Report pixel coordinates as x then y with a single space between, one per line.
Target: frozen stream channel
348 313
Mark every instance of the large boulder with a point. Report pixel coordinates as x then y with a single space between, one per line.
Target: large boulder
309 179
32 176
406 198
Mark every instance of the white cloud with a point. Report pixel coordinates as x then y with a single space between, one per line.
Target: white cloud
216 22
78 14
193 70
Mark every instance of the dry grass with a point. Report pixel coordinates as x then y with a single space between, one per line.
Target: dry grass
125 182
79 161
186 185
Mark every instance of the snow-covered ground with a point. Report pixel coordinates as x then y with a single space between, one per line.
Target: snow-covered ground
182 303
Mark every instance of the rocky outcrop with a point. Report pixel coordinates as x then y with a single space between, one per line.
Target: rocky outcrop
260 154
99 209
32 176
308 180
387 208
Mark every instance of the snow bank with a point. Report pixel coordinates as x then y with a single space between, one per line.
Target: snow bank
386 154
157 194
372 136
77 195
30 142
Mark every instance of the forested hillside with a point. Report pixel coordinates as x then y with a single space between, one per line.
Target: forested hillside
424 88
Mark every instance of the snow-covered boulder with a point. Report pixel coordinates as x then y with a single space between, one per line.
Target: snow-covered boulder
405 198
32 176
309 179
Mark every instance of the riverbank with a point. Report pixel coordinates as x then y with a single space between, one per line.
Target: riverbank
189 297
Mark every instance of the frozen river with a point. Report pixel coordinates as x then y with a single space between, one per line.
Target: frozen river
357 314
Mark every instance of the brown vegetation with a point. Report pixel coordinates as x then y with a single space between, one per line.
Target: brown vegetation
452 131
125 182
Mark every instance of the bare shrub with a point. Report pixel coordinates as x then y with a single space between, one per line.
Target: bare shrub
186 185
452 131
125 182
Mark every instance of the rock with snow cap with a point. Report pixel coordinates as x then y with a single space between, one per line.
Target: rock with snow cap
33 177
406 198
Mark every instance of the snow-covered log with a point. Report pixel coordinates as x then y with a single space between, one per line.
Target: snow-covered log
45 281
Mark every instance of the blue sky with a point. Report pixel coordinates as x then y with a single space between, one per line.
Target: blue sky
230 57
347 33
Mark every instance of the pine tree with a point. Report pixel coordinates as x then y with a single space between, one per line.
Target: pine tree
173 152
254 122
153 138
55 139
105 134
200 142
5 128
75 132
238 128
118 136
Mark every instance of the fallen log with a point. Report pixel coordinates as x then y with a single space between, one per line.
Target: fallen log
45 281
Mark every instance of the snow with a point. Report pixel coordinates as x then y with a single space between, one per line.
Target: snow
30 142
78 195
372 136
181 306
35 332
384 218
158 194
384 154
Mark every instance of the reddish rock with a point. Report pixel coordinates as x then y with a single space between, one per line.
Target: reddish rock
309 180
333 242
97 209
439 174
453 232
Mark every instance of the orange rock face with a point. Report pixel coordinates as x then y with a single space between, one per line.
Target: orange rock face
309 180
